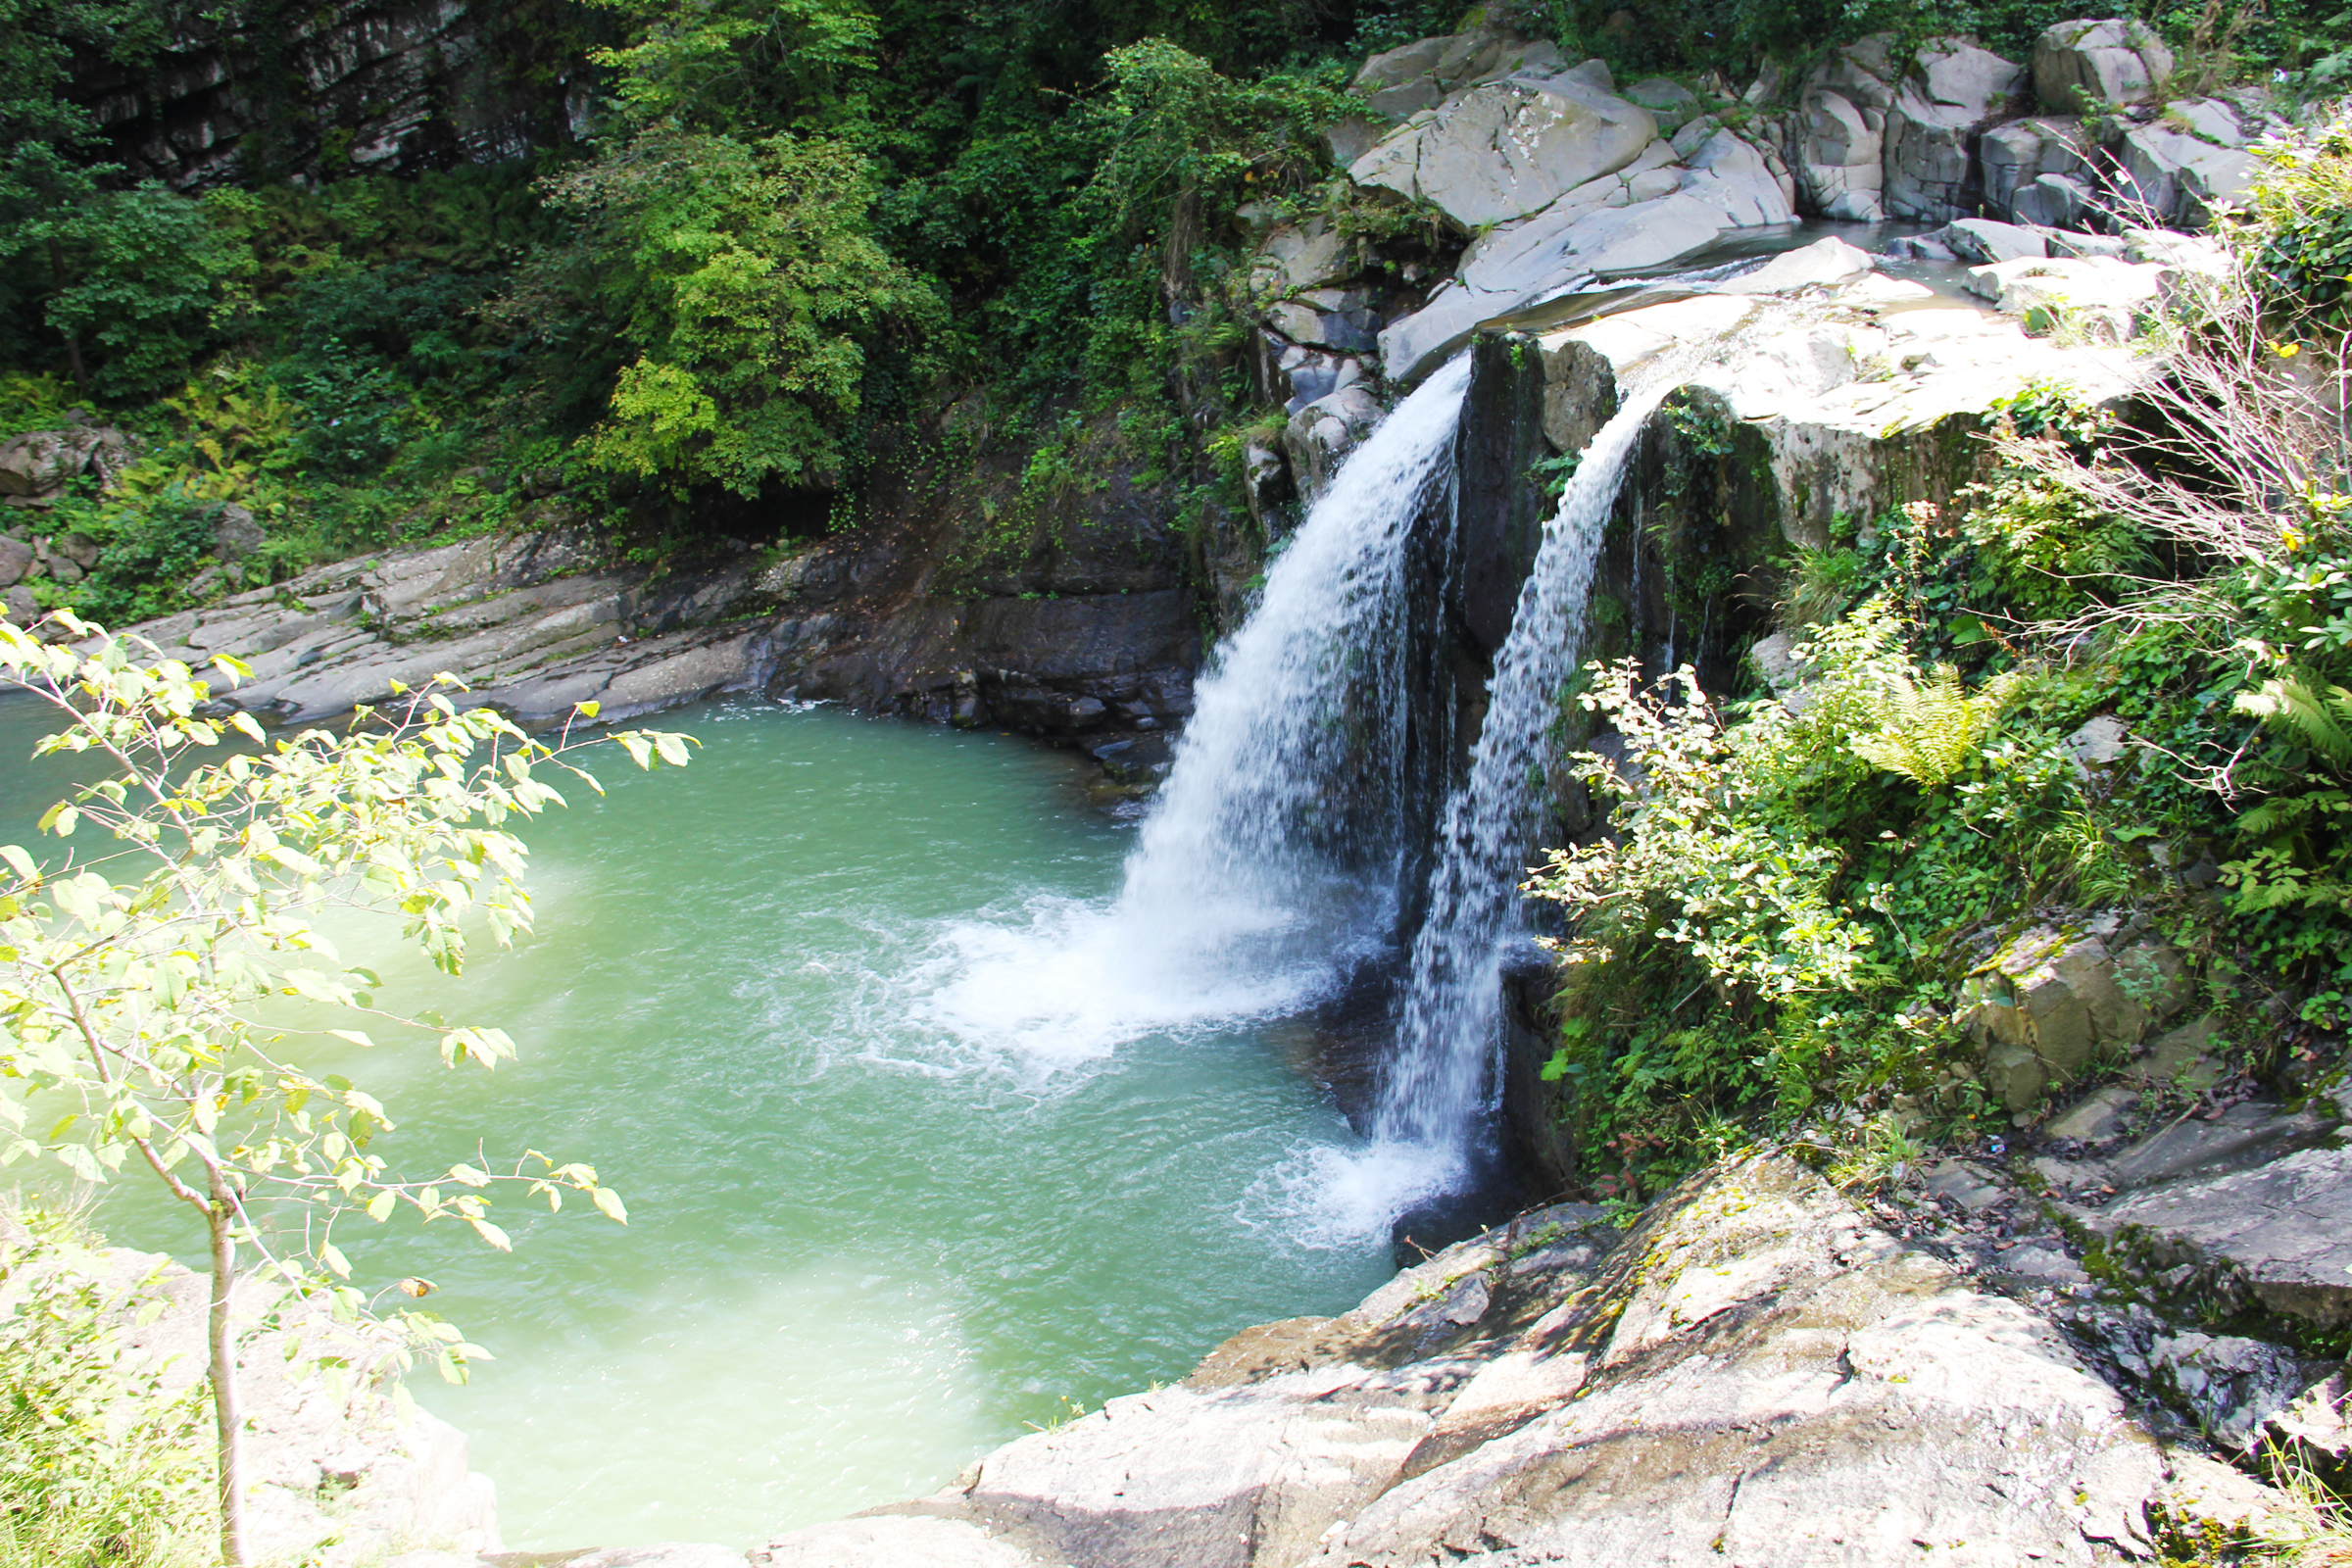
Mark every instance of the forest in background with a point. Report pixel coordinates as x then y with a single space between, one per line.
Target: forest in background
755 247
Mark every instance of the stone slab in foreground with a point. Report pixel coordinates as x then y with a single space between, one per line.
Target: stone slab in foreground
1755 1374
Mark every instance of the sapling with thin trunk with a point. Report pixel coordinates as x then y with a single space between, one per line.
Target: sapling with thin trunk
153 992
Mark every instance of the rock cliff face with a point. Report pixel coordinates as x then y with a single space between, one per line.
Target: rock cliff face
265 89
1080 627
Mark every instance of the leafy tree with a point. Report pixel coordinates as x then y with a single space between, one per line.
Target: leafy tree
152 996
739 62
128 280
744 277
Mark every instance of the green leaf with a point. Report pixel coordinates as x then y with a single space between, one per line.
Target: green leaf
607 1204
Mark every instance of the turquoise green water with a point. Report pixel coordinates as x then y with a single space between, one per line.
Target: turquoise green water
895 1189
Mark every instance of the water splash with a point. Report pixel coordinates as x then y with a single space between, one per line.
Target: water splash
1441 1083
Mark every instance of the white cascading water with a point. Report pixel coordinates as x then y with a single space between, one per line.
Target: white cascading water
1269 864
1440 1082
1245 870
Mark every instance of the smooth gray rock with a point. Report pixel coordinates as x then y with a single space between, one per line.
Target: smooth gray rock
2012 157
1754 1374
237 534
2101 1117
2274 1234
1783 1387
1403 82
1671 104
1293 258
1965 1185
1507 149
1933 125
1838 142
2079 66
2174 180
1734 176
1323 432
1825 263
1981 239
2245 1134
15 560
2054 201
19 604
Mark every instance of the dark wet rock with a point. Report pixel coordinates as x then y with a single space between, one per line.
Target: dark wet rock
2242 1135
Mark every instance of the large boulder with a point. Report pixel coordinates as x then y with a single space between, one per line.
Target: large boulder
1932 126
2272 1236
1755 1374
2175 179
1320 435
2087 299
2014 156
1402 82
1838 142
2052 1005
1641 219
1509 148
1293 258
40 463
1738 179
2083 65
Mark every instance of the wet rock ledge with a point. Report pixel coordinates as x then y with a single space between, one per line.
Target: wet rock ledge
536 622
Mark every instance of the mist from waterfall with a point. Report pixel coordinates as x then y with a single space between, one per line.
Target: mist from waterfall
1442 1081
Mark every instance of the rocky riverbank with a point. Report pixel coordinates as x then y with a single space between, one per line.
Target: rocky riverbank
1986 1361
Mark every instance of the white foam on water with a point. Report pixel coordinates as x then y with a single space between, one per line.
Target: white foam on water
1325 1197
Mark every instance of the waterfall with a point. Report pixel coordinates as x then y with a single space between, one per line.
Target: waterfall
1269 862
1442 1081
1268 867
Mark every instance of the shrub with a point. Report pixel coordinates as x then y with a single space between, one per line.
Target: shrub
101 1465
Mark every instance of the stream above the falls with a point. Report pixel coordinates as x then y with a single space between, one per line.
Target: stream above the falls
884 1211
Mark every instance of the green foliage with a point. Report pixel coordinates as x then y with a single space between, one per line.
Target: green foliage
720 66
744 281
2299 220
1820 586
1805 866
1928 730
152 549
1698 862
128 281
100 1464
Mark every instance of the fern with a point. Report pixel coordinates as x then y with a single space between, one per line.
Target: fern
2321 723
1928 730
